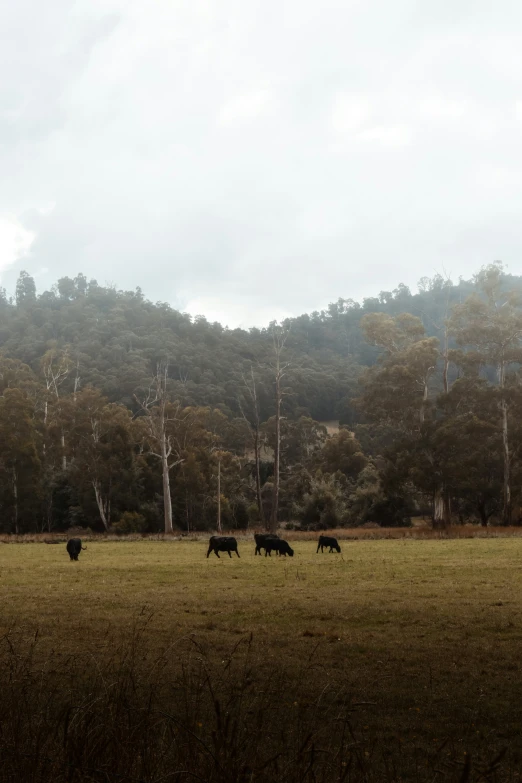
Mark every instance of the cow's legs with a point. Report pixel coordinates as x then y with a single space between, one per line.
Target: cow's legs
237 553
229 553
317 550
209 550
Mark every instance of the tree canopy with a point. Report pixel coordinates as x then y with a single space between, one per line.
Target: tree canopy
117 412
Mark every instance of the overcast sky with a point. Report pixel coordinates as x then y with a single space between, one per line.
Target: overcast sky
252 159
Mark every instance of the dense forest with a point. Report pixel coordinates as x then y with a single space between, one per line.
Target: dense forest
121 414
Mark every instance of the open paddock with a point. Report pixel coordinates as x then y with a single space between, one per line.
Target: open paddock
396 660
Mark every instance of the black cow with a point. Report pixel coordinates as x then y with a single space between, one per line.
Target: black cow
278 545
328 541
222 544
260 539
74 547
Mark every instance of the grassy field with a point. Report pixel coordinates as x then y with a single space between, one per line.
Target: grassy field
145 661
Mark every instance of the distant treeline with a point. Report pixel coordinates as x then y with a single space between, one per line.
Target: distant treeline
112 408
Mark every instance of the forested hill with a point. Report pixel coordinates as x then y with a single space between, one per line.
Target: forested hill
117 413
116 338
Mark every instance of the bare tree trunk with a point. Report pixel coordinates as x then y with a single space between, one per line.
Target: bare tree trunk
441 508
257 449
104 507
155 408
54 377
64 456
438 510
167 500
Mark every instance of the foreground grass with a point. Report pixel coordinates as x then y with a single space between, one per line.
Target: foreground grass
399 660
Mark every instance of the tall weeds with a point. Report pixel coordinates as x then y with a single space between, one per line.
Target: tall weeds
124 714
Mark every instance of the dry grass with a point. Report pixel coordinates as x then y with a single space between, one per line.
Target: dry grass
421 530
398 660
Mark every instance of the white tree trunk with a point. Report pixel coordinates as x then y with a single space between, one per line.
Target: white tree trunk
441 508
438 509
167 501
156 425
257 450
104 507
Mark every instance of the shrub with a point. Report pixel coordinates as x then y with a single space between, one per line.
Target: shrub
131 522
324 506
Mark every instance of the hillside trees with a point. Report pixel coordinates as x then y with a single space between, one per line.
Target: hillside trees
234 430
279 368
249 406
158 415
19 460
488 329
101 448
396 393
456 435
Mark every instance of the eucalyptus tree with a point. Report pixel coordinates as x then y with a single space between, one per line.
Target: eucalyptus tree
399 392
158 412
101 448
19 460
488 330
279 368
249 407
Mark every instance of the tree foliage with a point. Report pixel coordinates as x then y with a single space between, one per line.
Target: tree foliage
118 413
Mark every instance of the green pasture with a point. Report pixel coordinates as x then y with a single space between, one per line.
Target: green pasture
425 637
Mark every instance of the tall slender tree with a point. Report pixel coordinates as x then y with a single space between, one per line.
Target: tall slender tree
157 413
251 415
488 329
279 369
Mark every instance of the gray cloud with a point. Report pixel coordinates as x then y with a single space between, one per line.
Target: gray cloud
251 159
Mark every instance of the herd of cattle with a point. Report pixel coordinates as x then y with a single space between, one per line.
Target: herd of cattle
270 542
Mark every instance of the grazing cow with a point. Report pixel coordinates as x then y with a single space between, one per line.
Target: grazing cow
222 544
74 547
260 539
278 545
328 541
